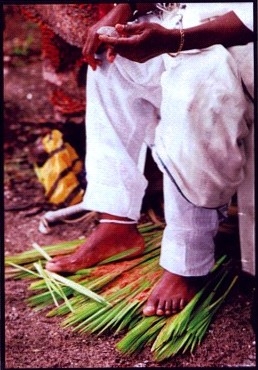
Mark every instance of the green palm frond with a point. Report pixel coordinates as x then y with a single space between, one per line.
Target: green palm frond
110 296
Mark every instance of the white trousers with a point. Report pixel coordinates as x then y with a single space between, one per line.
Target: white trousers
129 104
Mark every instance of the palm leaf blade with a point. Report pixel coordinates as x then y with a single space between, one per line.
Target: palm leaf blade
122 289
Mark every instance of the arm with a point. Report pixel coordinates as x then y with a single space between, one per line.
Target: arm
147 40
227 30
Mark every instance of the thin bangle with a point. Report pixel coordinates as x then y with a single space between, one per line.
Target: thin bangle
181 45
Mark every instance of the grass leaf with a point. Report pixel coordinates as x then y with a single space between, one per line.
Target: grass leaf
123 288
79 288
41 251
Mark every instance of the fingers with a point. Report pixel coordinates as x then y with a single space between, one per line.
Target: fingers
111 54
128 29
120 41
92 44
127 36
92 60
126 33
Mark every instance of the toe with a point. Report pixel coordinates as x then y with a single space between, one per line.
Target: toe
178 304
168 308
54 266
160 311
175 305
161 308
182 304
51 266
150 308
149 311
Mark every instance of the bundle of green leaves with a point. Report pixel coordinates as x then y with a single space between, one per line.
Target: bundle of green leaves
110 296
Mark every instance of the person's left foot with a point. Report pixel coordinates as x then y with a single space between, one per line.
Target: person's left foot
171 294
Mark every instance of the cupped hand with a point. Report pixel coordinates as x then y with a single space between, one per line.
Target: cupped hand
138 42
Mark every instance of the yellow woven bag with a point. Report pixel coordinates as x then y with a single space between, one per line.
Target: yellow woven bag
59 173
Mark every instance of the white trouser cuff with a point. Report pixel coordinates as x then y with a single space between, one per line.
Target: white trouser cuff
181 258
114 201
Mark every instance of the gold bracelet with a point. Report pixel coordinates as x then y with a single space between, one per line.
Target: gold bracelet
182 40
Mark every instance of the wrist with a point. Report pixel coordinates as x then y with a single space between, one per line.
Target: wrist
176 42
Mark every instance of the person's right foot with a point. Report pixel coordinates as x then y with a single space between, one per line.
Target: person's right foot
106 240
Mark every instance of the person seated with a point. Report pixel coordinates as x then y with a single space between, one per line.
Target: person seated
167 79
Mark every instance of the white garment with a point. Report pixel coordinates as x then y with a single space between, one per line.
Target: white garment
125 101
208 90
208 109
197 13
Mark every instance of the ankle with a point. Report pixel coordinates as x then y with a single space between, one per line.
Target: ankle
108 218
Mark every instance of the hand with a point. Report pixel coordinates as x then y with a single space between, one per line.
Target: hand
92 44
120 13
138 42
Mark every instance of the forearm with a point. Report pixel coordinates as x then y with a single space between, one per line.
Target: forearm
123 12
226 30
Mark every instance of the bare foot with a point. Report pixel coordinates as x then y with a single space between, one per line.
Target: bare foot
171 294
106 240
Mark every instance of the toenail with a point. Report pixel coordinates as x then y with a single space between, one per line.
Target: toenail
159 312
148 310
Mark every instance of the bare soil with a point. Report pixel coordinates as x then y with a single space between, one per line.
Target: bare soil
31 339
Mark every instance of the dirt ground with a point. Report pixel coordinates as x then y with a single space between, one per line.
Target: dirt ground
31 339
